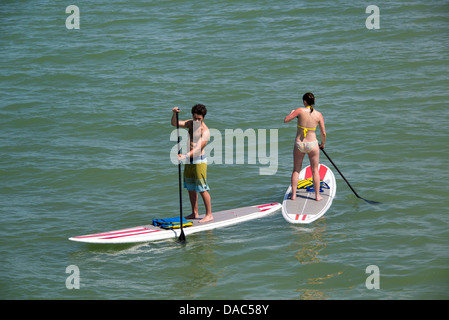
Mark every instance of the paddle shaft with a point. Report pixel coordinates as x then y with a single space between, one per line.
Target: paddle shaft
182 237
341 174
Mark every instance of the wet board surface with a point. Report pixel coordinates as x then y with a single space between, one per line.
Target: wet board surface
147 233
305 209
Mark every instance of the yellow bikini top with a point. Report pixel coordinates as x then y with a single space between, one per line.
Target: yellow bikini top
306 129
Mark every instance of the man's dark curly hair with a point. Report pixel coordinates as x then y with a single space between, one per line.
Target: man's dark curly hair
199 109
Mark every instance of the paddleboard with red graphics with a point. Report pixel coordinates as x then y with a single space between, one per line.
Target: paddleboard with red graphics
305 209
148 233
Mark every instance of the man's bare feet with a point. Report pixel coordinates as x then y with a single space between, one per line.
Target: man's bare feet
193 216
318 198
207 218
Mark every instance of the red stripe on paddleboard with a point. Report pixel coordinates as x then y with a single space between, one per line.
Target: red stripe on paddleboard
304 217
267 205
111 233
297 217
129 235
323 171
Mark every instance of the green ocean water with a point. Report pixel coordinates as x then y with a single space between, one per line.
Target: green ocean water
85 146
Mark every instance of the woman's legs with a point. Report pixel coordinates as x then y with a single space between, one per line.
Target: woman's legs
314 157
298 157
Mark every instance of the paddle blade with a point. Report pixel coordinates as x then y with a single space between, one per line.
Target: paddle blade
182 238
371 201
341 174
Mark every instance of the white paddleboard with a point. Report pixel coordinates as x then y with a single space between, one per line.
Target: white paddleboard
149 233
305 209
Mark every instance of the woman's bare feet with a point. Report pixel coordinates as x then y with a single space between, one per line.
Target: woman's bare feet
293 195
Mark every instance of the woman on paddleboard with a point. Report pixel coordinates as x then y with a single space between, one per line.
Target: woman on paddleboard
306 142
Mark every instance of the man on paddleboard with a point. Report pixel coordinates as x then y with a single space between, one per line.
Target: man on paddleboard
195 168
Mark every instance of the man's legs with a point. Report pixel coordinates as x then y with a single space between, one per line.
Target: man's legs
207 203
194 203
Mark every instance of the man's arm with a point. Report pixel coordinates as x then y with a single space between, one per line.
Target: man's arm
182 124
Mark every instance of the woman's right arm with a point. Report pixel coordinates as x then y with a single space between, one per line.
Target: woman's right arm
293 114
